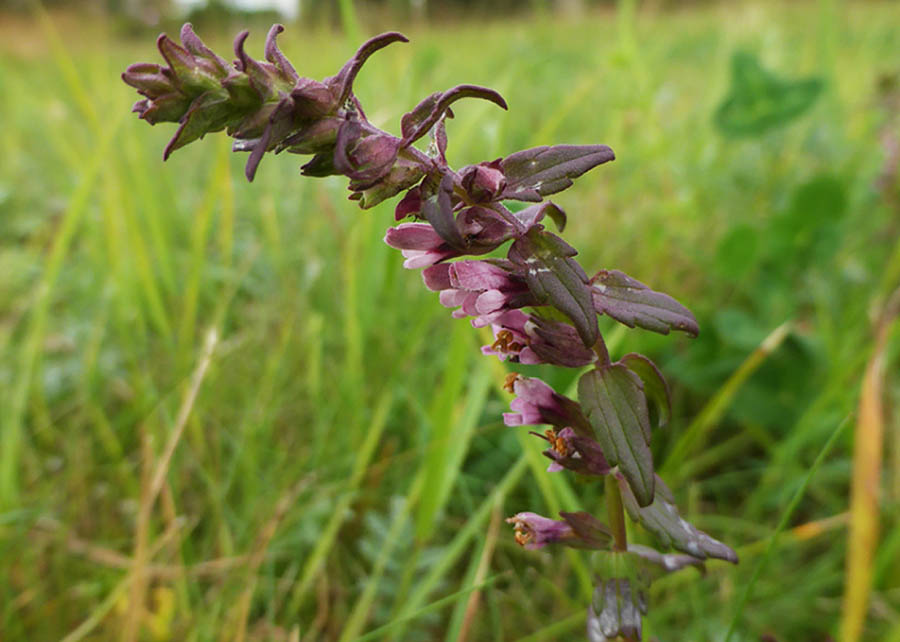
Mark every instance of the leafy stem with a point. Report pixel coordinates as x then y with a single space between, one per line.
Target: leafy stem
615 513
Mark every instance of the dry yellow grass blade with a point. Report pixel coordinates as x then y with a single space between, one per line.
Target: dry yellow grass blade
152 485
862 536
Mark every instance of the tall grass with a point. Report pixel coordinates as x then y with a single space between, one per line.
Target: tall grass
335 465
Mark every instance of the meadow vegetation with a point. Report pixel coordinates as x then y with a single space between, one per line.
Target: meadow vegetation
226 411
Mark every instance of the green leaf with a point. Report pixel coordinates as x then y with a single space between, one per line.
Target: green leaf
613 399
556 279
759 100
663 520
655 386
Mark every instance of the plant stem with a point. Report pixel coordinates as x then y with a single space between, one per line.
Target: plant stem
601 351
616 513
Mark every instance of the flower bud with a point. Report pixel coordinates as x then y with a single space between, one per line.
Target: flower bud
483 182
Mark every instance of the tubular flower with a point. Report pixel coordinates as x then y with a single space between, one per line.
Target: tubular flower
575 530
537 403
569 451
482 289
530 339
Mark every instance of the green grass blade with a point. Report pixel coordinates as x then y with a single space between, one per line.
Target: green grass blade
782 523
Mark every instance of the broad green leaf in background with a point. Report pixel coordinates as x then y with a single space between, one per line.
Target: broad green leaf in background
760 101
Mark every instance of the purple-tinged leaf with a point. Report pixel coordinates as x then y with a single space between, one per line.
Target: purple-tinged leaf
533 214
259 79
364 159
419 114
208 113
319 136
193 44
342 83
612 398
632 303
322 164
438 148
655 386
312 99
274 129
180 60
593 533
533 173
671 530
668 562
616 611
148 78
166 108
409 205
437 208
416 123
557 279
244 96
273 55
403 175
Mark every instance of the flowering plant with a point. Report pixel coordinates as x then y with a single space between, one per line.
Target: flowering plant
538 301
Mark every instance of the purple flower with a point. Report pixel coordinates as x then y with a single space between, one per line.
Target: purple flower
481 289
480 230
483 182
537 403
576 530
530 339
534 531
419 244
572 452
483 229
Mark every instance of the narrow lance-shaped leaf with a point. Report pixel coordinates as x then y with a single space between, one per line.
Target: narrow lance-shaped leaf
613 399
629 301
656 388
593 533
665 562
540 171
428 112
663 520
342 83
437 208
533 214
555 278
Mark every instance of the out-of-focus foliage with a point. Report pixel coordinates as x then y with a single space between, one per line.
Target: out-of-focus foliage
113 266
759 101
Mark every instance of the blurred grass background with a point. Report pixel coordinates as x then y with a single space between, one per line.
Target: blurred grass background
227 413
